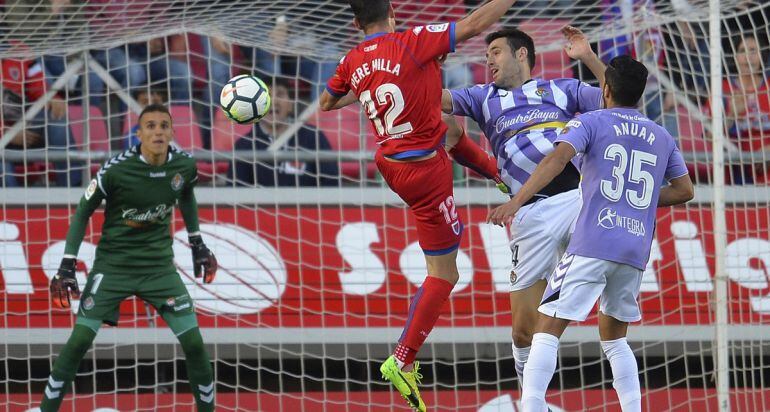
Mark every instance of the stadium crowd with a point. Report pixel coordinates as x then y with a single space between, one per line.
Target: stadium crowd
186 71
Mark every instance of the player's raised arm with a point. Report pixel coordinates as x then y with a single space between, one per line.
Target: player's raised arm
579 48
481 18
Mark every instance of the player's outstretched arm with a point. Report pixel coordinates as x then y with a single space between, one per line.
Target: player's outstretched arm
481 18
679 190
547 170
579 48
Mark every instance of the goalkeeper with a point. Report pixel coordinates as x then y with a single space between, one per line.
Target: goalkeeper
134 256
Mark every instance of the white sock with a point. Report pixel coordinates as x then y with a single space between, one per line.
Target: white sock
538 372
520 356
625 374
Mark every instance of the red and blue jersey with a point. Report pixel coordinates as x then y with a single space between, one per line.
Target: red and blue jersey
398 81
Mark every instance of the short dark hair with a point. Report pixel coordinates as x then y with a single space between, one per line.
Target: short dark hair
516 40
153 108
626 79
370 11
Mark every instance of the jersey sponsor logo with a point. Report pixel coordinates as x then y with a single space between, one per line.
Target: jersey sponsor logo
609 219
136 219
177 182
531 117
88 303
368 49
437 28
157 174
91 189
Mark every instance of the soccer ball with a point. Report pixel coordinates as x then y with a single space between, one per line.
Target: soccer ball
245 99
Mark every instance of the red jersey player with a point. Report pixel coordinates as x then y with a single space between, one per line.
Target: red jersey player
397 79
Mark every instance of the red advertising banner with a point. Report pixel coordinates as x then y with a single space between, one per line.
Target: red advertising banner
318 266
673 400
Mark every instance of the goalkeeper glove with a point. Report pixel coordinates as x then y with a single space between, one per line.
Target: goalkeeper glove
204 262
64 284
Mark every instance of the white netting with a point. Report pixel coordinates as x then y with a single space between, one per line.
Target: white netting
319 257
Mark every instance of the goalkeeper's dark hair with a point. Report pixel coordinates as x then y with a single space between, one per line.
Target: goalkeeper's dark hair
516 40
153 108
370 11
626 79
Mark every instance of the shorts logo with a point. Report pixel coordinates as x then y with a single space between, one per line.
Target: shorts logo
88 303
91 189
177 181
558 274
456 227
514 277
437 28
607 218
170 302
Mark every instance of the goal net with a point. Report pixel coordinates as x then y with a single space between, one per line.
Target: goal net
318 258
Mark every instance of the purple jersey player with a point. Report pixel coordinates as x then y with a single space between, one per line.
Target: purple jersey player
630 166
522 117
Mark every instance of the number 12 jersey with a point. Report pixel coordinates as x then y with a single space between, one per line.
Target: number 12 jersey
397 79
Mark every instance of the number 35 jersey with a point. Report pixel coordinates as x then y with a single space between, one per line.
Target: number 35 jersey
627 158
397 79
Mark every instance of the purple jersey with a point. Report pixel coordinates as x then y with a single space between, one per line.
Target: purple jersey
626 159
522 123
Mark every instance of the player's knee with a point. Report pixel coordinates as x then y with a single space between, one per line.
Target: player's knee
192 342
522 338
443 267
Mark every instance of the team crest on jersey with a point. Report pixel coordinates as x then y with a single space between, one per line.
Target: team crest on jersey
437 28
14 73
88 303
177 182
91 189
541 92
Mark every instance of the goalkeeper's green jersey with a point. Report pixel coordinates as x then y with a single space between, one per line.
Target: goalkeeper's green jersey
140 199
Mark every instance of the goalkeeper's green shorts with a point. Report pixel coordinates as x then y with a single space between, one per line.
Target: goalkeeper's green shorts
105 292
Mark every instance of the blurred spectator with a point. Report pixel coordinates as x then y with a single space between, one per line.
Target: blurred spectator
144 99
283 173
164 62
687 62
747 110
62 15
22 83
